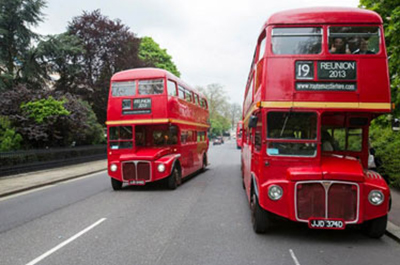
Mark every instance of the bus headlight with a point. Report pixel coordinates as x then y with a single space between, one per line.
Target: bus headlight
275 192
161 168
113 167
376 197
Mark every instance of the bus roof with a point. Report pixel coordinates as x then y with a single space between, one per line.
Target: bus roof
147 73
324 15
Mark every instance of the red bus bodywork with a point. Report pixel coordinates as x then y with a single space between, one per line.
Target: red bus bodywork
239 129
153 119
294 176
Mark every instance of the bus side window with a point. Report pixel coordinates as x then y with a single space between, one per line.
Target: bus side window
196 99
189 137
258 138
188 96
204 103
171 87
184 136
181 92
262 48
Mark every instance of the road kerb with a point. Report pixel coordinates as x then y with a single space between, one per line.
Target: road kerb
35 186
393 231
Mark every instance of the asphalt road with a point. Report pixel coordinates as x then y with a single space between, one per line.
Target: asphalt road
204 221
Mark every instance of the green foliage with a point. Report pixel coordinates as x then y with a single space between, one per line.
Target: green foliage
62 54
386 142
17 63
151 53
9 138
93 131
44 108
219 125
223 115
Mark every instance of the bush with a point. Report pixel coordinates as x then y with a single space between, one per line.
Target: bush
386 142
42 109
9 138
50 119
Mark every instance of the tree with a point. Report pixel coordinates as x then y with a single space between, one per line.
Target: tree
17 63
217 100
389 10
235 114
62 54
109 47
219 108
151 53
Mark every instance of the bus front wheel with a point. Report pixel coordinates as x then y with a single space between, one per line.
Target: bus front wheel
174 180
376 228
116 184
259 217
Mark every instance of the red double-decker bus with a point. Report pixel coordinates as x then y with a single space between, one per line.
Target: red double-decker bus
319 76
157 128
239 134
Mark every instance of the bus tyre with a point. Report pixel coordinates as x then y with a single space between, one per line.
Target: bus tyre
259 217
203 168
241 170
116 184
174 180
376 228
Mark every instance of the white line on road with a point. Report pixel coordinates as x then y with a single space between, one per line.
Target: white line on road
294 257
51 251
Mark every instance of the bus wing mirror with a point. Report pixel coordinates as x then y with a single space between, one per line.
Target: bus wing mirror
253 121
396 125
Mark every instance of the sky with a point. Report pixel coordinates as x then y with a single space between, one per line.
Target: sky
210 41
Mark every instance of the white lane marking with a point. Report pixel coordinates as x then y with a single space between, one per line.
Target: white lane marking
294 257
51 251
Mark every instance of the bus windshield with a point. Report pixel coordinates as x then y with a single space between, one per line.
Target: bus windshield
292 126
354 40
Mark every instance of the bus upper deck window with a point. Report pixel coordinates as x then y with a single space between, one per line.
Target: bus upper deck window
354 40
151 87
123 89
297 40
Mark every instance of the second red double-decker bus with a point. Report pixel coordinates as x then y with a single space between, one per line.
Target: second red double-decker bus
319 76
157 128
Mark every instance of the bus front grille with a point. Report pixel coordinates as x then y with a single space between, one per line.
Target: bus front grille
129 171
327 199
136 171
143 171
